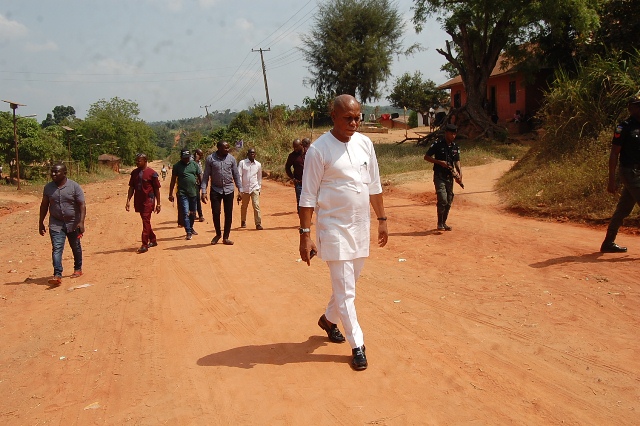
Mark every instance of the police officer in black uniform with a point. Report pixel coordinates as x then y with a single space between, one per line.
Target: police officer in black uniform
445 155
626 146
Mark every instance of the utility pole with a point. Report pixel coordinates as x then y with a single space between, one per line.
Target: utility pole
205 108
14 106
68 135
264 73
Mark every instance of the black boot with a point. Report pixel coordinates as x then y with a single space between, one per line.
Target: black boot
359 360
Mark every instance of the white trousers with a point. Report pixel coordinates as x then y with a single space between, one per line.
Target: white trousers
342 307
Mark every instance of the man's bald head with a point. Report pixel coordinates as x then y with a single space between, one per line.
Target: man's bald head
346 117
344 102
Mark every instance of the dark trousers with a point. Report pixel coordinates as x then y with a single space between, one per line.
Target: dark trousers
629 197
199 207
444 194
147 233
216 201
298 187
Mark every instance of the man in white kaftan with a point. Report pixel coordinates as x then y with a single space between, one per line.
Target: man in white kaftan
340 180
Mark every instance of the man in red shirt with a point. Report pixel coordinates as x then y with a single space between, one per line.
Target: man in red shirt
144 183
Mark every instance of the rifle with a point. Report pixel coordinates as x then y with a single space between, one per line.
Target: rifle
456 176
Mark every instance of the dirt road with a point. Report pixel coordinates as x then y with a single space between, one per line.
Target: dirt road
504 320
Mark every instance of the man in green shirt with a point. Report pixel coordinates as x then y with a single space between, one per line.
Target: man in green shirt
187 173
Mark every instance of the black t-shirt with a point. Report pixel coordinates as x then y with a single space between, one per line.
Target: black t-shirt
627 136
440 150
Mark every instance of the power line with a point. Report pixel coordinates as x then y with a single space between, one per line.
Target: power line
114 75
216 98
262 42
236 81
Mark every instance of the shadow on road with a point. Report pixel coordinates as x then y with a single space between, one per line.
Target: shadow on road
37 281
584 258
273 354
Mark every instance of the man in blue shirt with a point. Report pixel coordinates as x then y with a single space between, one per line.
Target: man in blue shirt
221 168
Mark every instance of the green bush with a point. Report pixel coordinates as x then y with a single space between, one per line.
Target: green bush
565 173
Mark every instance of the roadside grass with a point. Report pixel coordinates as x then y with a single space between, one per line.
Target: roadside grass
34 186
402 162
565 186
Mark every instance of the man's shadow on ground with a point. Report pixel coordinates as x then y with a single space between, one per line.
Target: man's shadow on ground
44 281
416 233
273 354
583 258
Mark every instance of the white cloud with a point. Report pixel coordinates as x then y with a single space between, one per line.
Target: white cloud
171 5
207 3
48 46
11 29
243 24
178 5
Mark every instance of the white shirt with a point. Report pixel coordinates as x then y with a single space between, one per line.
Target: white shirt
250 175
338 178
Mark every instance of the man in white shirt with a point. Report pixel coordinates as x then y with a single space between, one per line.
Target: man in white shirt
340 180
250 171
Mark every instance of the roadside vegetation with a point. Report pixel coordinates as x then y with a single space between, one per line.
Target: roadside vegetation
564 175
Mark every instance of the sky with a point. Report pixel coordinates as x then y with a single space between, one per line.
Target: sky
174 58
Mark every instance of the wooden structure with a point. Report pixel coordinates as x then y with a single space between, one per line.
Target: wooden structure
110 161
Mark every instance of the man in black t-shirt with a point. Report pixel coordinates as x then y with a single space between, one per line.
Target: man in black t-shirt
445 156
625 147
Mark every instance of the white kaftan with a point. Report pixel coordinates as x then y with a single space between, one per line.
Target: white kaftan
337 180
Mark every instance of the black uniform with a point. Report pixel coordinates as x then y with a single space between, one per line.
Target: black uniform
442 177
627 136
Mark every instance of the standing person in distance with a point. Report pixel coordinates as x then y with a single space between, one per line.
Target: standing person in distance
164 172
306 143
341 178
144 187
221 168
187 173
250 172
445 155
197 157
294 168
64 200
625 147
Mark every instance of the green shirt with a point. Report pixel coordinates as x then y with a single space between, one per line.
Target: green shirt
187 176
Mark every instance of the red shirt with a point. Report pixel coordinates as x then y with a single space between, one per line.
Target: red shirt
143 182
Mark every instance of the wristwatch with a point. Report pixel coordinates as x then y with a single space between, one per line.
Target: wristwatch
304 230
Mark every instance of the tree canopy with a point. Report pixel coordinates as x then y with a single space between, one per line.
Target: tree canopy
481 30
115 123
414 93
351 46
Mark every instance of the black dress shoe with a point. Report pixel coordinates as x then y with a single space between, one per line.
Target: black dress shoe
612 248
359 360
446 227
333 333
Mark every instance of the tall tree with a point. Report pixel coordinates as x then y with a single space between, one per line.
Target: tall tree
481 30
115 123
619 26
61 112
351 46
49 121
412 92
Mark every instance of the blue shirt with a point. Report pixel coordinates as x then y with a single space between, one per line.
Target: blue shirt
223 173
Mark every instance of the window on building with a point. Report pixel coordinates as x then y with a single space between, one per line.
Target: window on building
512 92
457 100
